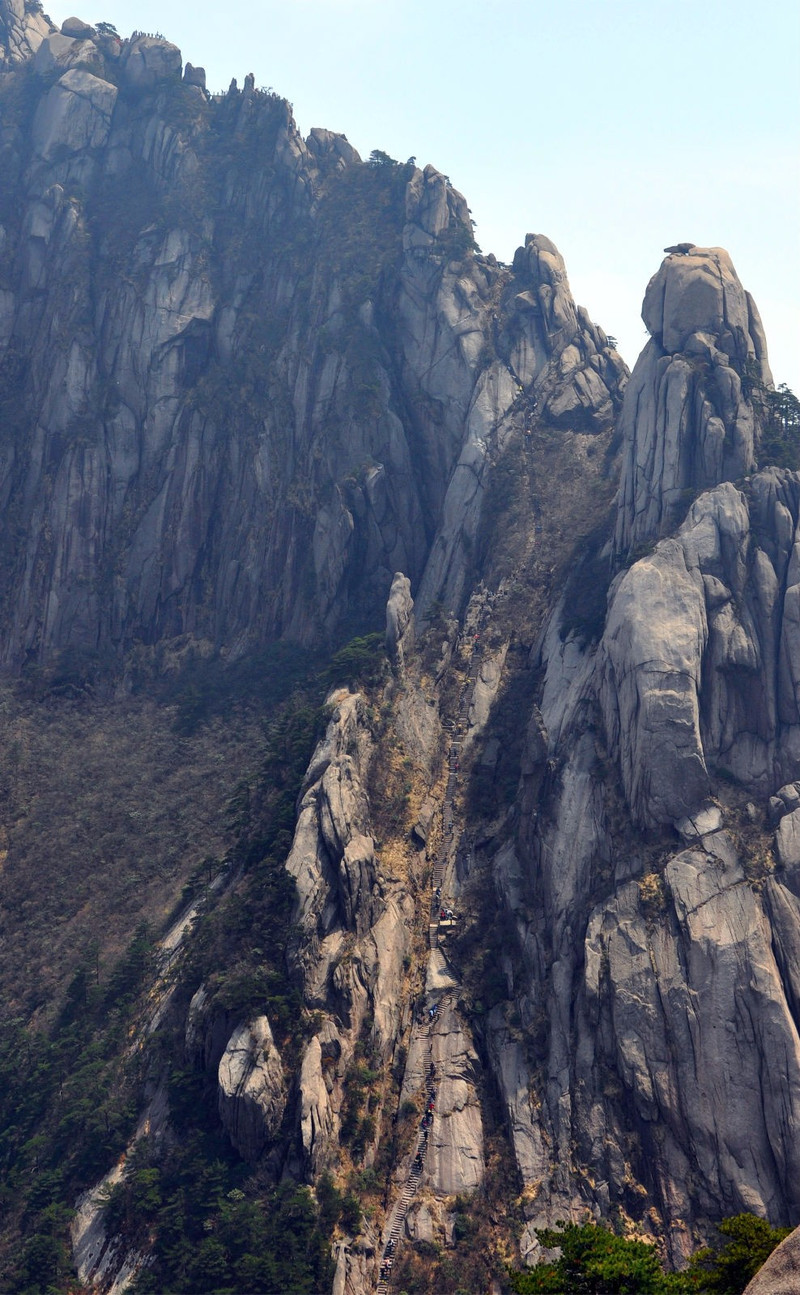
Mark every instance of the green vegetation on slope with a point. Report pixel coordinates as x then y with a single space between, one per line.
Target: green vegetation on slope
596 1261
70 1093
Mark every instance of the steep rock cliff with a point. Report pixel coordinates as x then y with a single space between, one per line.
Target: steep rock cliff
245 377
665 973
250 387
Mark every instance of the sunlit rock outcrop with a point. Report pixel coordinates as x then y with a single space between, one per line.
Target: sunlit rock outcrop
688 420
666 974
252 1088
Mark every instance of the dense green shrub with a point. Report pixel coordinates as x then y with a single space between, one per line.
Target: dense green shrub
780 436
362 661
727 1267
596 1261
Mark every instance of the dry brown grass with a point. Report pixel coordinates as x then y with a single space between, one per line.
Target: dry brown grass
105 813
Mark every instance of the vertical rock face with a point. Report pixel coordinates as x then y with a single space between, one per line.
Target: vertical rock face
454 1162
708 982
234 400
658 982
699 658
687 421
551 359
352 927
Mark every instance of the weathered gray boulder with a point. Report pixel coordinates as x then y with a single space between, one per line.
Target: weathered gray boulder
780 1275
425 819
329 147
787 840
77 28
700 293
62 52
785 800
75 115
147 61
252 1088
195 75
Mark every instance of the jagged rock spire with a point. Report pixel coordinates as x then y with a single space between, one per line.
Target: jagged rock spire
688 421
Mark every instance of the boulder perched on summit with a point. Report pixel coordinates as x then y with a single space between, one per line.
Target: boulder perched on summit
59 52
700 292
77 28
195 75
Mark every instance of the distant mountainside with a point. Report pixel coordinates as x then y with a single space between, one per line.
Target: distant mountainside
247 376
452 871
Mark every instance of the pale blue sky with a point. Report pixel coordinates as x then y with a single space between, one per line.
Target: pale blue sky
615 127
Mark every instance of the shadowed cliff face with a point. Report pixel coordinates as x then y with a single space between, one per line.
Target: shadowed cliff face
245 377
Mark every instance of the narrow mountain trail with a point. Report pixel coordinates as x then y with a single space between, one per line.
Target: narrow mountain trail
441 920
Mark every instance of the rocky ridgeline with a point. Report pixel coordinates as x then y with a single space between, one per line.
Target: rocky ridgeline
657 914
650 884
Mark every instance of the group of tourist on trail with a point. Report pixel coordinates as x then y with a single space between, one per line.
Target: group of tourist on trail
388 1259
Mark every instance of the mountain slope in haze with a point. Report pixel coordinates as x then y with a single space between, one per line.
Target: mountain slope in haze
252 390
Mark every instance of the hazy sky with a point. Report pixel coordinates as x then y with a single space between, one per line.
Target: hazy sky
615 127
